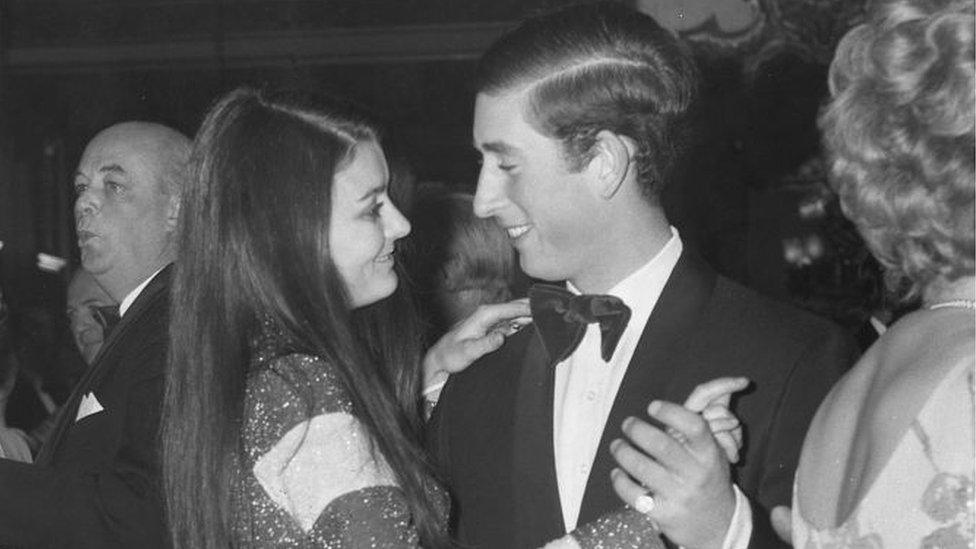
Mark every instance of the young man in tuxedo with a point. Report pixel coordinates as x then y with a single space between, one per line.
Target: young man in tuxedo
96 481
580 119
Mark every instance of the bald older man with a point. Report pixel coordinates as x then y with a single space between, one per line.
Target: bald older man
96 482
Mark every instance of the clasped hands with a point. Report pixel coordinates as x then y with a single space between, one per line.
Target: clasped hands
685 467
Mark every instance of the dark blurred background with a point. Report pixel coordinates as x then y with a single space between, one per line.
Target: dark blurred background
753 199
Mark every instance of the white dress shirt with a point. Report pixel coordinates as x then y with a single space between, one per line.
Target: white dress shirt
131 296
586 387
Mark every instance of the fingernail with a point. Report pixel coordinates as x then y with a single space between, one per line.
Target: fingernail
615 444
627 423
614 473
654 408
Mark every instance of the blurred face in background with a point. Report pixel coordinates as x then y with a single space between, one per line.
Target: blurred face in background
457 305
364 226
85 297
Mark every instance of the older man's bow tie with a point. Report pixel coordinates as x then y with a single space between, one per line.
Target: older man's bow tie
561 318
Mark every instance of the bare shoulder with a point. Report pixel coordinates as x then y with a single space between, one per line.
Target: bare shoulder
918 351
897 375
869 411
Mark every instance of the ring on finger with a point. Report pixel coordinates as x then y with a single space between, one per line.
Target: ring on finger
512 327
677 435
644 503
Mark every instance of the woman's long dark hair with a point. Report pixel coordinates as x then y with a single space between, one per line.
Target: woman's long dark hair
254 245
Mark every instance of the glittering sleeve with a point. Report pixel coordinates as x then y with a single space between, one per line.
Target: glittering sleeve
316 478
621 529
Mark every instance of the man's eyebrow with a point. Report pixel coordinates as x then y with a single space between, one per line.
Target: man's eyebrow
111 168
497 147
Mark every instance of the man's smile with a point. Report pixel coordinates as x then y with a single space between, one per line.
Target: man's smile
516 231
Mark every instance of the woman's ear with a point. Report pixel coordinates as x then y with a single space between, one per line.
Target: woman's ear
613 157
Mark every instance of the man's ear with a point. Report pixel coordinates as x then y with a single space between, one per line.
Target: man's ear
613 157
172 211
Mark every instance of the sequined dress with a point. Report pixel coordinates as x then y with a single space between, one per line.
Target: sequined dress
311 476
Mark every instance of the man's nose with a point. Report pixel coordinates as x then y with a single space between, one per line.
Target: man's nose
87 203
489 195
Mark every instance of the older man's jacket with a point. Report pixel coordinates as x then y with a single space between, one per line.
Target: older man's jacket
96 481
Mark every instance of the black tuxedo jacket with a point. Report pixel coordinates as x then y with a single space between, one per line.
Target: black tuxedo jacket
96 482
492 429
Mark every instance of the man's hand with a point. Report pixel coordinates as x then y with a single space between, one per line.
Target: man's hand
479 334
689 480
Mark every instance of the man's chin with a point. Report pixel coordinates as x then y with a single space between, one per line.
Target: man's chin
94 263
540 270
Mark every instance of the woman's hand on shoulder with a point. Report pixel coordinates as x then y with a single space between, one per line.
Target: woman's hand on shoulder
482 332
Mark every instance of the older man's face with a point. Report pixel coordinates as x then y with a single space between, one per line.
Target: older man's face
122 212
85 297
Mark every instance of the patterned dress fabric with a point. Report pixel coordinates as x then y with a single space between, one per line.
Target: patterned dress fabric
923 497
312 476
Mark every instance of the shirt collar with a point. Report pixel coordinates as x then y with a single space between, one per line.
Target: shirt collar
131 296
641 289
635 285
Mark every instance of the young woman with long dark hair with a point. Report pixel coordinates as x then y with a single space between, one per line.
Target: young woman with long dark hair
282 420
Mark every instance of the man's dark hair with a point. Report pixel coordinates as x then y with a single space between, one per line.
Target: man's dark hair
594 67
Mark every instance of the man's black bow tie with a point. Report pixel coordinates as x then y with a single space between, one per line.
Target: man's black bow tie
561 318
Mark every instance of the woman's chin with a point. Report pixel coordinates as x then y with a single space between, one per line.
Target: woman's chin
375 293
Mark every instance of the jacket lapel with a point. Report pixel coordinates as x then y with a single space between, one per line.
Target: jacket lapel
68 412
658 360
538 513
145 300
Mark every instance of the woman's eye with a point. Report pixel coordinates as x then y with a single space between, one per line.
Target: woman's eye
374 212
113 186
80 188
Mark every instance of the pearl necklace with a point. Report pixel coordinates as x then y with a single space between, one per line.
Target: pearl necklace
960 303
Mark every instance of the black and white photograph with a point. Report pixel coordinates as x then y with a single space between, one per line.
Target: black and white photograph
488 274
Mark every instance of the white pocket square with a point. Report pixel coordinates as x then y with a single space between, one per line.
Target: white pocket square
89 405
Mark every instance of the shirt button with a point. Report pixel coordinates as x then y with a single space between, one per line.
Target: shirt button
591 395
584 470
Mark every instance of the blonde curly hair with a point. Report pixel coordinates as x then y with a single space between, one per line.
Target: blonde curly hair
899 132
